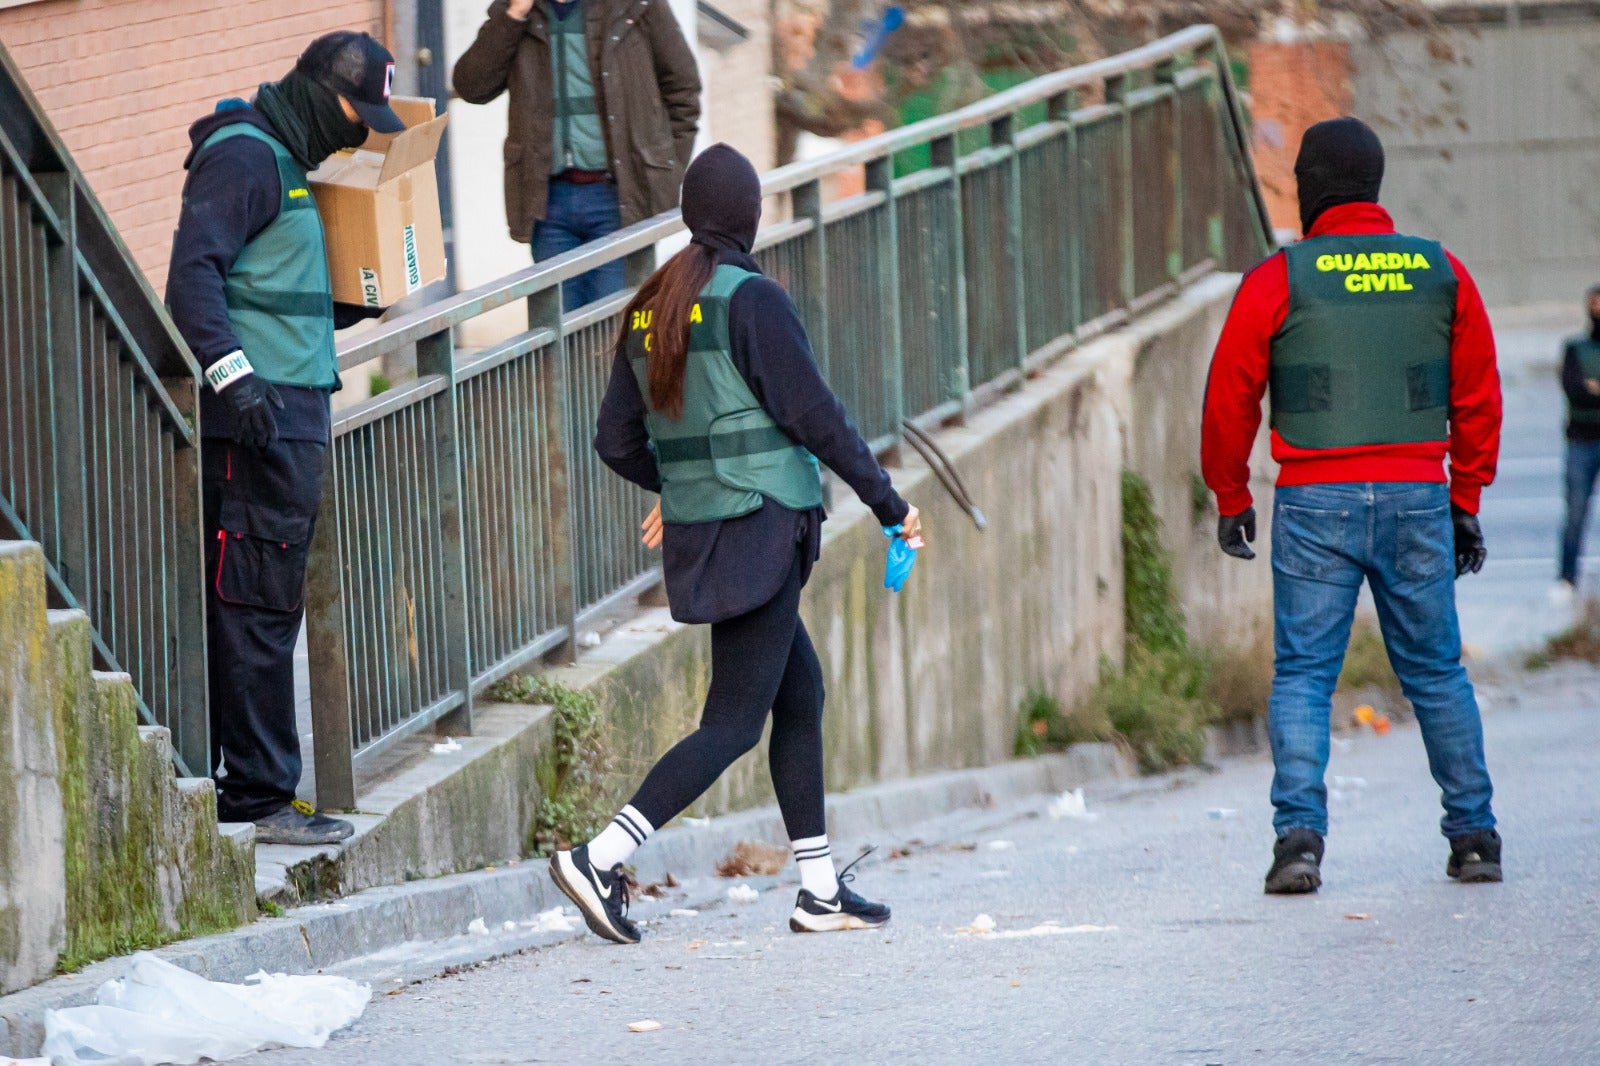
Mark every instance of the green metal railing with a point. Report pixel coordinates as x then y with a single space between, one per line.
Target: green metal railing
98 456
470 530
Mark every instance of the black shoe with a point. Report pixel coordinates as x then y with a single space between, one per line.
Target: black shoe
602 898
1475 857
846 910
299 823
1296 864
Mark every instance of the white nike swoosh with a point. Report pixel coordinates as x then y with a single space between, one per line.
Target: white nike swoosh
594 879
834 907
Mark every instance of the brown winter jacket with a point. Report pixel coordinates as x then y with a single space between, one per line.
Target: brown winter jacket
646 87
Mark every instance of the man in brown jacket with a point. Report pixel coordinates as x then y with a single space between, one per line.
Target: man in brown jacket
605 101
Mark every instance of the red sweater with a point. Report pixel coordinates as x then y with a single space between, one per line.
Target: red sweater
1239 379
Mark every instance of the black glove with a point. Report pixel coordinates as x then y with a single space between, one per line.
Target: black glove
1470 550
1236 532
252 400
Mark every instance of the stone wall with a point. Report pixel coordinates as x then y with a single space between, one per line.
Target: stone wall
930 679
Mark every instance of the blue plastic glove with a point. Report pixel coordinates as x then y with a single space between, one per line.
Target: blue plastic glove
902 557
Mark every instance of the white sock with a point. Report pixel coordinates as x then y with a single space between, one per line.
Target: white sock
815 860
618 841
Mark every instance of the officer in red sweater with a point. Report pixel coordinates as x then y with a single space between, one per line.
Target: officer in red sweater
1381 363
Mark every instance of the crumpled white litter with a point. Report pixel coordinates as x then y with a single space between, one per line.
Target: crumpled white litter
477 927
159 1013
1071 804
446 746
984 926
743 894
1221 814
696 823
554 920
999 845
684 912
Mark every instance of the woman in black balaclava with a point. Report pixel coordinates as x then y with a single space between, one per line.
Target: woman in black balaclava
716 403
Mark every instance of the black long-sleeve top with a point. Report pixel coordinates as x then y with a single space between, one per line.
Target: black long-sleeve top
719 570
1579 398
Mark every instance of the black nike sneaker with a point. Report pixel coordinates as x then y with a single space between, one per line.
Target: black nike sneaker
846 910
1296 864
601 897
1475 857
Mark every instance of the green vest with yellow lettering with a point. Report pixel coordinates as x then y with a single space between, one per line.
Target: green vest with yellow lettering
725 453
1363 356
280 299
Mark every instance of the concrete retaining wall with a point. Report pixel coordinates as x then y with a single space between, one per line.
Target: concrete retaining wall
931 679
102 849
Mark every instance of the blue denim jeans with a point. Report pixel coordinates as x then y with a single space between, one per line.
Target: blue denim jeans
575 215
1325 540
1583 467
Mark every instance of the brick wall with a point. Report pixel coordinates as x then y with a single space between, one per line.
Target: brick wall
738 97
123 79
1293 85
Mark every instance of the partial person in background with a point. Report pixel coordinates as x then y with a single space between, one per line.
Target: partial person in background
605 103
1580 380
249 290
1381 362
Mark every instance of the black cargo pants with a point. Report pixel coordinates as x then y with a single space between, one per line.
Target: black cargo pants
260 508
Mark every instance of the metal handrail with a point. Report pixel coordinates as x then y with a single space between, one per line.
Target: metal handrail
470 530
98 462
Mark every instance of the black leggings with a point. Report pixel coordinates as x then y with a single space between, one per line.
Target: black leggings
760 661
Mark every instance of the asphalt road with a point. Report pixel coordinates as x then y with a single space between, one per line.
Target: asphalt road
1164 949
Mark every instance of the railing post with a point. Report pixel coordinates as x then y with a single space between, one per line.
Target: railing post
880 178
544 312
946 154
1166 73
1059 109
1117 95
64 367
436 355
1003 134
333 739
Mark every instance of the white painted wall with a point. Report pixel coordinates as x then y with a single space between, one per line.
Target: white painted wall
484 249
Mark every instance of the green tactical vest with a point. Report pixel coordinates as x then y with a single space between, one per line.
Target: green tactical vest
580 141
1363 356
280 299
1588 353
726 452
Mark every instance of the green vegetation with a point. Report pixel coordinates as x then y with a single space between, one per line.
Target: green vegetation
1047 726
1581 640
1366 662
380 384
575 804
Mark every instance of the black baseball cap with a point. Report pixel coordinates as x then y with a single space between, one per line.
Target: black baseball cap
357 67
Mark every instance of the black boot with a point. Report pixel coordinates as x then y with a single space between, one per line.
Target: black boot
1475 857
1296 863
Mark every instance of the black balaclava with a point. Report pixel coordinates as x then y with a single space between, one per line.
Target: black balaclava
308 118
722 200
1594 319
1340 162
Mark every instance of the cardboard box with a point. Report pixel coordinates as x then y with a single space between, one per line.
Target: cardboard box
380 210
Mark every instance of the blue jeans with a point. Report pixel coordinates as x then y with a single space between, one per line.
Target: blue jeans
575 215
1583 467
1398 537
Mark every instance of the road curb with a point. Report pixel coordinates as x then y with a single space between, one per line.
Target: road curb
328 935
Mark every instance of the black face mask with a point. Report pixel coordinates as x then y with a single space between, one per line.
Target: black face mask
1340 162
309 118
722 199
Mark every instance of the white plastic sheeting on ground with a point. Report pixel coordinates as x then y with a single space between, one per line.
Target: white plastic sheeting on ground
160 1014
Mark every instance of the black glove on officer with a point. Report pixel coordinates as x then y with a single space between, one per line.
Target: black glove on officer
1470 549
252 400
1236 532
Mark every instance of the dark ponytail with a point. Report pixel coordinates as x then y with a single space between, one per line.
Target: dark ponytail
669 295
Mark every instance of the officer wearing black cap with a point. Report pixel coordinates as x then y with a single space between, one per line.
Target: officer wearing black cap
249 291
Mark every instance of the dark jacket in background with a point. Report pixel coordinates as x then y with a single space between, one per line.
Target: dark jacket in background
647 91
1578 396
720 570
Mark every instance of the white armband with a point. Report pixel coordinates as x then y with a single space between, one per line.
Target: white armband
228 369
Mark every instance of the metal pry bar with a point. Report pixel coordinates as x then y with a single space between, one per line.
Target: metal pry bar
946 472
